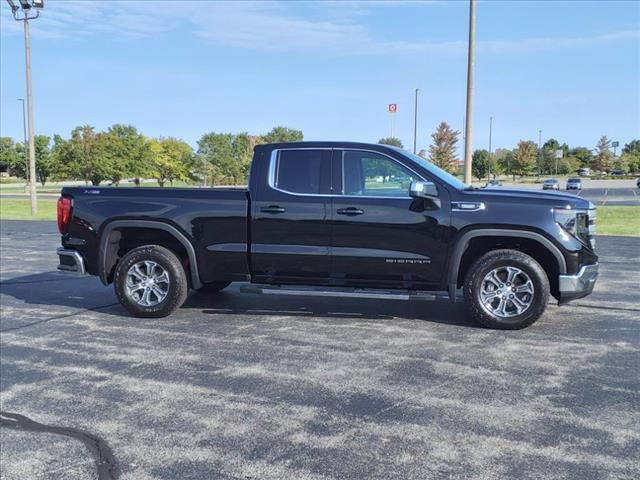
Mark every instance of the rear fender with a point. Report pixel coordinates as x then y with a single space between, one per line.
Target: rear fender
111 236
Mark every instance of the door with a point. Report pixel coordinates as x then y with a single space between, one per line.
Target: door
382 237
290 231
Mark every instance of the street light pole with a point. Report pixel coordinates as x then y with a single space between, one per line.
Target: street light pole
24 131
490 127
539 153
32 151
415 122
468 143
26 6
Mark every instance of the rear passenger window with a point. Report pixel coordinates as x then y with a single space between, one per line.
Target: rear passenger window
302 171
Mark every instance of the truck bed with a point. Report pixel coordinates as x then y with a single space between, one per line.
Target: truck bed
205 216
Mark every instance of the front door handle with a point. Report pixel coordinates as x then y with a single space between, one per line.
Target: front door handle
273 209
350 211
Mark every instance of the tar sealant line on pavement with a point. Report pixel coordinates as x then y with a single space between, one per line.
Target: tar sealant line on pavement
9 282
58 317
606 308
102 453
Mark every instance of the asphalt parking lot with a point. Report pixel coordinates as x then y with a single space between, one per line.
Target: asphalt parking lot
599 192
240 386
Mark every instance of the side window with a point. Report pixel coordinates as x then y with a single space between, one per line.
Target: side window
374 175
301 171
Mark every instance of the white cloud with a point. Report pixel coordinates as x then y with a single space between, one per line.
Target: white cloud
265 26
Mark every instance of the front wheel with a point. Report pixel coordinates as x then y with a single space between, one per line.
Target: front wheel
506 289
150 282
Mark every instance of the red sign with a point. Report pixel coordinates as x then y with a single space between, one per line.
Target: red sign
393 108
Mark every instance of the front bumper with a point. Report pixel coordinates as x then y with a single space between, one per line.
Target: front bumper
579 285
71 261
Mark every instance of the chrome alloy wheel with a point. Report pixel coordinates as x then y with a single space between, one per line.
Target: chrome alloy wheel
147 283
506 292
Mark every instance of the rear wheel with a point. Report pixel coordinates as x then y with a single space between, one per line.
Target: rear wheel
213 287
150 282
506 289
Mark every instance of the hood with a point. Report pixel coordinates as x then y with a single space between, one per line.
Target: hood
546 198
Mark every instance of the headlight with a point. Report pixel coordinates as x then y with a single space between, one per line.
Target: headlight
567 219
579 223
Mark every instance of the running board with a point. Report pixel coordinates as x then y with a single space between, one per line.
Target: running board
344 292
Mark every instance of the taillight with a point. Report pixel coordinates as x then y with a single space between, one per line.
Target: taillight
64 213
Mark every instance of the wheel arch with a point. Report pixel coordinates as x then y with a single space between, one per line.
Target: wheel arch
110 239
553 258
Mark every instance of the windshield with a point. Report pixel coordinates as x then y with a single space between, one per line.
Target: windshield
446 177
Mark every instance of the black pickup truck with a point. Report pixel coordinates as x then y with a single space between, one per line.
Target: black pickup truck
336 218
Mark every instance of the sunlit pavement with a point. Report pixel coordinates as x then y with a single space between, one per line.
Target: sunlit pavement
241 386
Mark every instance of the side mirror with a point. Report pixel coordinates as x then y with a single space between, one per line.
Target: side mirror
423 190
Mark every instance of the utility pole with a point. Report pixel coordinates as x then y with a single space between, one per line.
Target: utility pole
490 127
27 6
415 122
468 143
24 131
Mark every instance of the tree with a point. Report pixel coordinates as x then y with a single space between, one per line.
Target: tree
63 158
632 147
548 156
583 154
216 149
622 163
443 150
631 154
503 158
632 161
283 134
567 165
9 156
171 159
396 142
226 157
603 161
480 164
242 151
524 157
86 156
130 156
45 162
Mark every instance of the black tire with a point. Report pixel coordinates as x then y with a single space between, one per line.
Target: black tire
176 292
498 259
213 287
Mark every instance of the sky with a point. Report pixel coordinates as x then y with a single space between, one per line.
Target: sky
181 68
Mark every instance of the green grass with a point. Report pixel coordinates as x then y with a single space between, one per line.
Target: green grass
55 187
20 209
618 220
611 220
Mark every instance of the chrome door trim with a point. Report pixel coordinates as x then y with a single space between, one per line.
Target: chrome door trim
272 173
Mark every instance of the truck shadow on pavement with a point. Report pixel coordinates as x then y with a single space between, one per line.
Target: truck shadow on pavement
87 293
232 302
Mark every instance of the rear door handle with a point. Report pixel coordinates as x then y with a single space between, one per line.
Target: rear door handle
273 209
350 211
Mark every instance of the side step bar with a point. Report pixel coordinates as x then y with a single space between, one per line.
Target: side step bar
344 292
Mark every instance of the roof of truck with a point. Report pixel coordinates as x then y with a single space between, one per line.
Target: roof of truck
328 144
